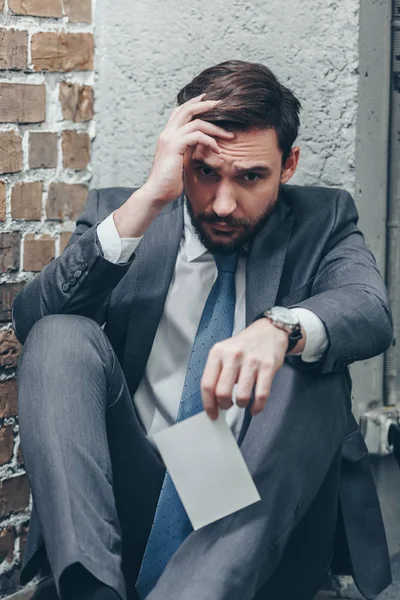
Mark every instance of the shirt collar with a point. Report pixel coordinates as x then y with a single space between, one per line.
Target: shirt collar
192 245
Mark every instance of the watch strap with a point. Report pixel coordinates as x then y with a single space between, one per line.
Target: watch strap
293 339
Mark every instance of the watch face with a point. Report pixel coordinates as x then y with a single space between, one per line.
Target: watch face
284 315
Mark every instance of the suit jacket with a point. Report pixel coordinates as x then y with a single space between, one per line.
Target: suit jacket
310 253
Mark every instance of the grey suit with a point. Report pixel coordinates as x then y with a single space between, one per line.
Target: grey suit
309 254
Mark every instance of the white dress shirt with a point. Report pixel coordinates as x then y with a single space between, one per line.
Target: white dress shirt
158 395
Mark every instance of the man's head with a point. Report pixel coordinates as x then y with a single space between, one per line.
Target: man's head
240 186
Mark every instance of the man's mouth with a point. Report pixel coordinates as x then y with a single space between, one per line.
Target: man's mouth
222 226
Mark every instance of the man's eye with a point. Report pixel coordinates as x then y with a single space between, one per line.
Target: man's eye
251 176
206 171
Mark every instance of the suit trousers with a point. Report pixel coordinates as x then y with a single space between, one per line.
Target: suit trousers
96 479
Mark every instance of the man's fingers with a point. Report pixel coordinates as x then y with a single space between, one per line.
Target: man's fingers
208 384
178 109
198 137
226 381
208 128
247 378
195 98
188 111
263 389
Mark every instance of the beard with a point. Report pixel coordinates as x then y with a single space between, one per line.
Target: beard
249 228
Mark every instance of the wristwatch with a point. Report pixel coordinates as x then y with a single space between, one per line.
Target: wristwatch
285 319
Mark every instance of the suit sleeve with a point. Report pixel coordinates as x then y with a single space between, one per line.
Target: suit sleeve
349 295
80 281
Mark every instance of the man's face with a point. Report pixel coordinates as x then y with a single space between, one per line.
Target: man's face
230 195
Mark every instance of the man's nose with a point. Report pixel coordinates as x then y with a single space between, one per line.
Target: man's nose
224 201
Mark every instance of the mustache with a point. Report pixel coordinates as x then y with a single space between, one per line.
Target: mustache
229 220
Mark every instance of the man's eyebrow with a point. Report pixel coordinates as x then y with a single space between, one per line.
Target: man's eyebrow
238 170
253 169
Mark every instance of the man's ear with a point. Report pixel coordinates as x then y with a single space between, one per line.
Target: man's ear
290 165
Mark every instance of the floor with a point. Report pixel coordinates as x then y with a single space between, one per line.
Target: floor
392 592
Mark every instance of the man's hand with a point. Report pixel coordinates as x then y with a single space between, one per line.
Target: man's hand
183 130
250 358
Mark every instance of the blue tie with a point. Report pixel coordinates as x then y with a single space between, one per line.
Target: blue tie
171 524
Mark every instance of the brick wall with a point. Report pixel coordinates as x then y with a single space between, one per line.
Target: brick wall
46 130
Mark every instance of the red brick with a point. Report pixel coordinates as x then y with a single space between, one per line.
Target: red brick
8 398
54 51
13 49
65 201
76 150
8 292
10 349
78 11
26 200
9 251
10 152
14 495
76 101
43 150
7 539
36 8
22 103
2 201
6 444
38 252
64 239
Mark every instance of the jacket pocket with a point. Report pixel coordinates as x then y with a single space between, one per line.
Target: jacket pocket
354 447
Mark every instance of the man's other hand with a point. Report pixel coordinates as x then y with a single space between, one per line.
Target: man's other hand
249 358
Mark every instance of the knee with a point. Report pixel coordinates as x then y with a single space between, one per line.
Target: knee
62 353
59 334
62 328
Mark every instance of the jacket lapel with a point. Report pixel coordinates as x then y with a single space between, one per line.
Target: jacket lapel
264 270
155 262
265 261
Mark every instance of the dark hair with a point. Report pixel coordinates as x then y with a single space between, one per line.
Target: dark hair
251 97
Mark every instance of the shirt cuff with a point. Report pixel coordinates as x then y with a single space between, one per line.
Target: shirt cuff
115 249
316 336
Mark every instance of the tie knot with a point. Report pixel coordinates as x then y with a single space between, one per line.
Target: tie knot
226 262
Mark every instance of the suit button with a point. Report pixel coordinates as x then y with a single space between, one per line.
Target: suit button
65 287
84 265
78 273
72 280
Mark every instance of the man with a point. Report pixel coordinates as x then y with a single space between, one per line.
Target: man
219 287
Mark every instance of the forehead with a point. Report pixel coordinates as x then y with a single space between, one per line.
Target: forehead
247 148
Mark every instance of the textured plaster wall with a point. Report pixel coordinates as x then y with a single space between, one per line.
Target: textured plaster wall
147 50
